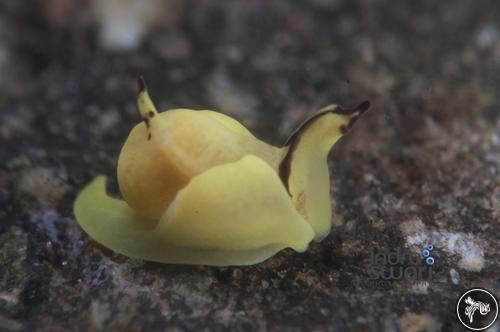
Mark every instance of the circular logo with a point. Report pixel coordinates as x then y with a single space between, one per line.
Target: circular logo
477 309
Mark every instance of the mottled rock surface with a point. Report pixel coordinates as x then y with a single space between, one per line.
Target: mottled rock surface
422 167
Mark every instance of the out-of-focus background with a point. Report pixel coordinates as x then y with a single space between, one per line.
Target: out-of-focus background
422 167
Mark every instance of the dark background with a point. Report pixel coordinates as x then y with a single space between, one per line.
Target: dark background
422 167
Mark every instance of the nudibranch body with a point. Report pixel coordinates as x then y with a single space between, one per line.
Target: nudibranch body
199 188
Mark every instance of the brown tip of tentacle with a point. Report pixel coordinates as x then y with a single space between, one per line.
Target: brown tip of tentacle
141 84
361 108
355 112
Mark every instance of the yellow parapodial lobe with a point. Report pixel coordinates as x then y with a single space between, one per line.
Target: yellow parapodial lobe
199 188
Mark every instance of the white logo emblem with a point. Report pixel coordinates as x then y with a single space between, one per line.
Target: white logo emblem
473 306
477 309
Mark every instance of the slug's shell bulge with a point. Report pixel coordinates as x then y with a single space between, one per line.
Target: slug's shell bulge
232 214
156 162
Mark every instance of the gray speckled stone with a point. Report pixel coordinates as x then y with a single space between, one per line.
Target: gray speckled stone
422 167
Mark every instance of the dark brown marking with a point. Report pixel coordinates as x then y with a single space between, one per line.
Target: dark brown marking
293 141
285 167
146 121
285 170
151 114
141 84
149 137
112 189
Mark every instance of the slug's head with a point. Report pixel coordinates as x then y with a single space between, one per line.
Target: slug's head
304 170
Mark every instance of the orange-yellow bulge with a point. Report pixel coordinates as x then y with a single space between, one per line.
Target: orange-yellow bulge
167 149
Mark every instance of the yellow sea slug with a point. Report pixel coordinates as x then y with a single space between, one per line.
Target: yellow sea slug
199 188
